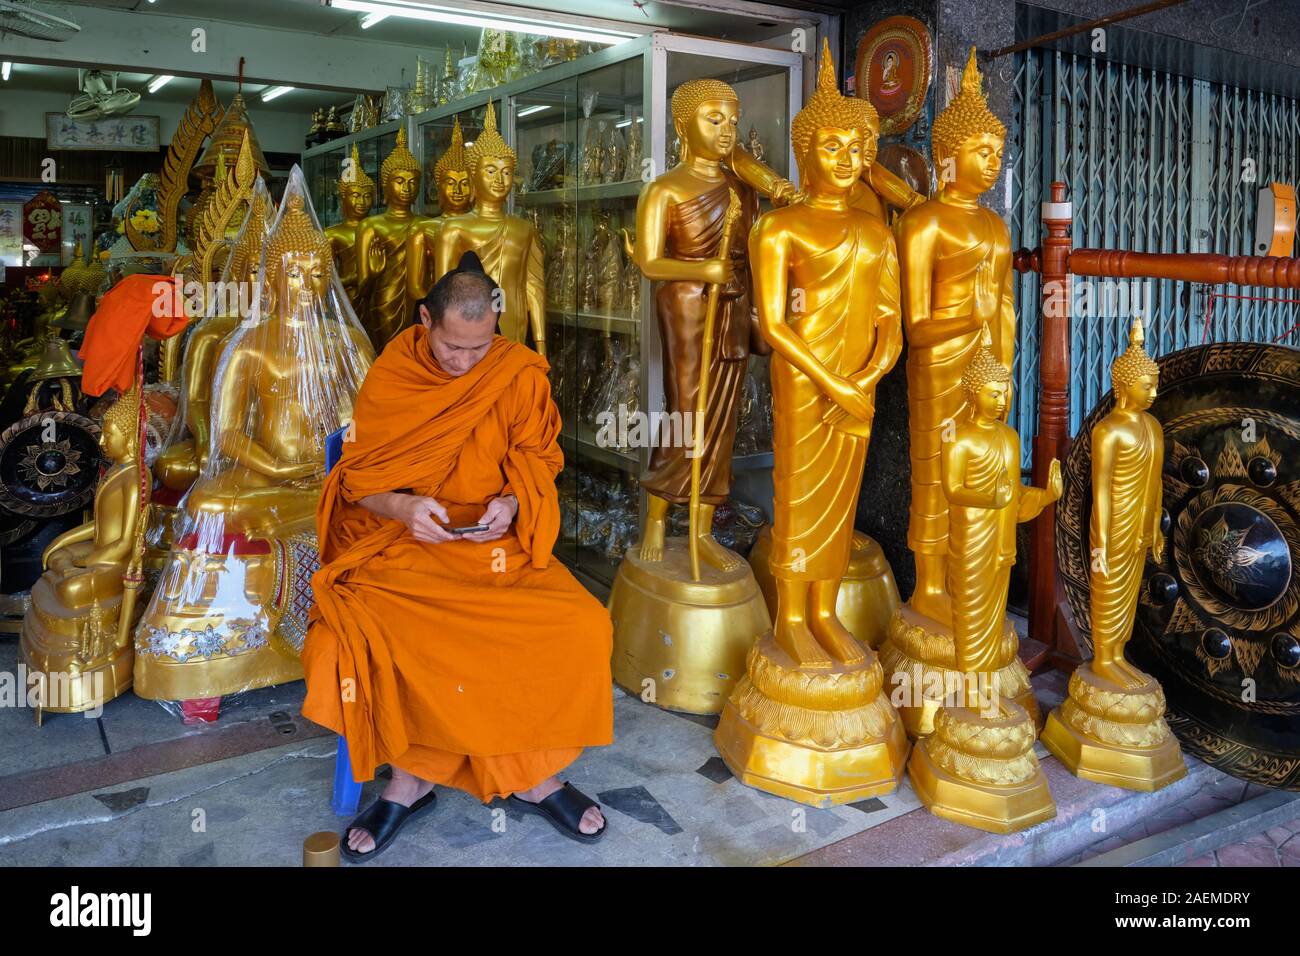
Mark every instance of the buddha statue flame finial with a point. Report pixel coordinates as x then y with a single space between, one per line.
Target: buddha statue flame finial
827 107
489 142
400 158
455 158
353 173
1134 362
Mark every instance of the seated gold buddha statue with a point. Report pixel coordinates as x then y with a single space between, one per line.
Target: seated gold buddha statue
73 635
183 459
229 611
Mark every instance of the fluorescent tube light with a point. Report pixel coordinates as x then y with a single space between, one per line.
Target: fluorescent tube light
511 24
530 110
370 19
271 92
5 67
158 82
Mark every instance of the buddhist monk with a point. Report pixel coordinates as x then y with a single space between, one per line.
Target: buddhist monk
444 640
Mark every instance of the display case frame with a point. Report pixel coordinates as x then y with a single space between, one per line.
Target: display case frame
664 57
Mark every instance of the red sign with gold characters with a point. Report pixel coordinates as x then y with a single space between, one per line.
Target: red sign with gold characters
43 222
893 71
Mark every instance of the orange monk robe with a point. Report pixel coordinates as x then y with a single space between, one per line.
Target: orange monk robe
483 666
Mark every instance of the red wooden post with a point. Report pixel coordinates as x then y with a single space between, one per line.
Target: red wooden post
1053 435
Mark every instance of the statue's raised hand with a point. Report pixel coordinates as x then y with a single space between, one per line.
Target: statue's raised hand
988 297
377 258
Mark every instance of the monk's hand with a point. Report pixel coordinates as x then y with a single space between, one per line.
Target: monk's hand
497 516
422 517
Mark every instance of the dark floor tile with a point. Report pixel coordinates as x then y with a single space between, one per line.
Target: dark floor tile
123 800
715 768
870 805
640 805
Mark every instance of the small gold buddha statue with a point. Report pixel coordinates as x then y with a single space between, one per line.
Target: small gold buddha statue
181 462
356 197
381 248
226 614
508 246
1111 727
955 258
809 720
451 177
978 766
72 635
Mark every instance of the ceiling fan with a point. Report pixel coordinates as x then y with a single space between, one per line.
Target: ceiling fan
100 97
37 21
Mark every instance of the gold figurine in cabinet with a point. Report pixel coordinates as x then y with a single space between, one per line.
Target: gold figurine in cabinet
1111 727
810 720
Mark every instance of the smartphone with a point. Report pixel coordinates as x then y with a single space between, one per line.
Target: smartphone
469 529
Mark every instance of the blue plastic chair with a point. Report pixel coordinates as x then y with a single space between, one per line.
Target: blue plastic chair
347 792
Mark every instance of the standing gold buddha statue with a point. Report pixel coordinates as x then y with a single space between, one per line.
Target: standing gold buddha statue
228 612
689 637
809 720
451 177
978 766
955 257
76 635
1111 727
356 197
508 246
381 248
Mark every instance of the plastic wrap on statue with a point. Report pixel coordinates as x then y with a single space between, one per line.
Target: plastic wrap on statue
978 766
810 719
230 609
955 257
1219 610
182 458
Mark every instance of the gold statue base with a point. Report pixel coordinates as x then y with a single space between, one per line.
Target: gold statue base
680 643
1115 735
73 652
868 596
820 737
920 662
981 771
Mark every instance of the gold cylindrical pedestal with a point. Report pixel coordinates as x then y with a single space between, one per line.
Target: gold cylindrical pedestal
820 737
321 849
868 595
687 638
1115 735
920 662
981 771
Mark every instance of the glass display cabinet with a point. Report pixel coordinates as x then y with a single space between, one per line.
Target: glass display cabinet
321 166
589 133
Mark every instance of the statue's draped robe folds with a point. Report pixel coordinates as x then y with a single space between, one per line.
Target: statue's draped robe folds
813 463
514 283
695 234
483 666
388 310
981 551
1137 467
935 397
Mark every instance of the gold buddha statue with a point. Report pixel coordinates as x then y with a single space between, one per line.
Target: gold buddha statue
508 246
228 613
76 634
978 766
385 304
356 197
955 258
184 458
451 177
688 635
809 720
1111 727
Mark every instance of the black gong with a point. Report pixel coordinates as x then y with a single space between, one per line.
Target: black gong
49 464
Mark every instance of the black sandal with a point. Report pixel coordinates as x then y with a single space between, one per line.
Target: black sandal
564 809
382 820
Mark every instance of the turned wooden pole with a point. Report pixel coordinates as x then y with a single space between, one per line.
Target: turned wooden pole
1053 436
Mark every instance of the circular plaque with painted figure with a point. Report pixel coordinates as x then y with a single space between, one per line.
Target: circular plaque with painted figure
1218 619
893 71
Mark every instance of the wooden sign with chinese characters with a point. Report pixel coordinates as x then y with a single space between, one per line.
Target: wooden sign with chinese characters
893 71
11 233
43 222
123 133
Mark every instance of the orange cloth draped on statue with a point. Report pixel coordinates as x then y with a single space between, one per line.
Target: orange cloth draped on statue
483 666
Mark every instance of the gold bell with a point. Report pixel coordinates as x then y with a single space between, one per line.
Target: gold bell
56 361
77 317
